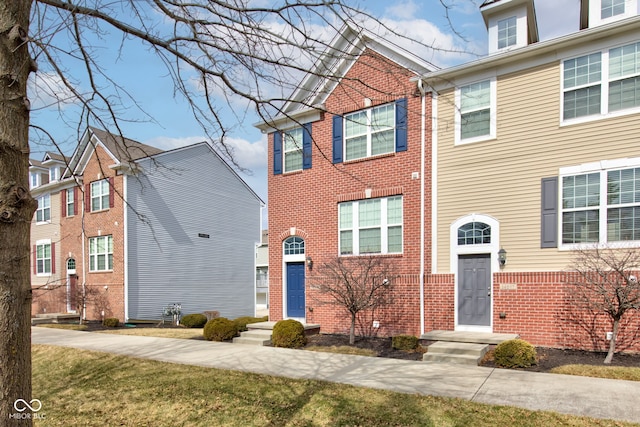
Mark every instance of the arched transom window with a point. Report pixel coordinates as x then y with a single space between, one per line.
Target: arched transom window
474 233
294 246
71 264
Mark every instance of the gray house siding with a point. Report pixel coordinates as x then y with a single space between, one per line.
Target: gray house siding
192 229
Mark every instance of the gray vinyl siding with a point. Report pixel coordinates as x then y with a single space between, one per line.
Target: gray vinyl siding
178 196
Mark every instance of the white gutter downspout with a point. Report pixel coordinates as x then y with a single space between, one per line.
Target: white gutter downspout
125 233
422 185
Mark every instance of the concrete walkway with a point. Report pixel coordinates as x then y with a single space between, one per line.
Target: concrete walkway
600 398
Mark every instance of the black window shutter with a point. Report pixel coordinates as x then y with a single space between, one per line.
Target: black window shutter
337 139
549 215
277 153
306 146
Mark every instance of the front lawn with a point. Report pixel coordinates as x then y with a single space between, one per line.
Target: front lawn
89 388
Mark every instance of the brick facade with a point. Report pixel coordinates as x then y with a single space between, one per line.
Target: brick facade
305 203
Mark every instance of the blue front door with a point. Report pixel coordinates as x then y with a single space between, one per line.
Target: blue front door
295 289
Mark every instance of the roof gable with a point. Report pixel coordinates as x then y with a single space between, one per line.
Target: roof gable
120 149
344 51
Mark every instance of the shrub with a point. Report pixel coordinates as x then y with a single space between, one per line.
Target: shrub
219 329
195 320
242 322
514 354
404 342
111 322
288 333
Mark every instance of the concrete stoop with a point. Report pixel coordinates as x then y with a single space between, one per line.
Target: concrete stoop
461 347
455 352
260 333
254 337
44 318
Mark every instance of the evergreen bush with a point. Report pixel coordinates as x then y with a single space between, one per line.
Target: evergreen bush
289 334
219 329
514 354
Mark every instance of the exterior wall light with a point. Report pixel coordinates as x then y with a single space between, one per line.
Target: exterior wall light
309 262
502 257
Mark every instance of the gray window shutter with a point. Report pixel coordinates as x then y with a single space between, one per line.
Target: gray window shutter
549 218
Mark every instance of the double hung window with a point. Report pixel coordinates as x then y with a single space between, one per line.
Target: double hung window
507 32
476 111
370 132
43 258
602 82
43 212
99 195
101 253
372 226
601 207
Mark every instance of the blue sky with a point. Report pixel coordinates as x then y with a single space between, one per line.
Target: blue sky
170 124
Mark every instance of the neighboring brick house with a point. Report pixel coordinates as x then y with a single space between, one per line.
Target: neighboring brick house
141 229
504 140
325 160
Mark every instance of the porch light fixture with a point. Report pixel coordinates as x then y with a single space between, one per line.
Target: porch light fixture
309 262
502 257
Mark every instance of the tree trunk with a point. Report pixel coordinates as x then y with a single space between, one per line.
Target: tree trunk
352 330
612 343
16 211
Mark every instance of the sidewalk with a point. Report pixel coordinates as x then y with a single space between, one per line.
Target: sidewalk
599 398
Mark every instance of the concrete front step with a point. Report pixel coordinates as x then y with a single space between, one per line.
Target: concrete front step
468 337
258 337
455 352
43 318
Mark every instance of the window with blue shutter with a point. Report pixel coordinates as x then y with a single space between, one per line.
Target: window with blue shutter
307 142
370 132
277 153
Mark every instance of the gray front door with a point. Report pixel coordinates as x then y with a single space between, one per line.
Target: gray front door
474 290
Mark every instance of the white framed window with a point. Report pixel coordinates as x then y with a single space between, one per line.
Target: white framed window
601 83
370 132
43 257
371 226
507 32
476 111
34 179
101 253
601 207
100 195
54 173
71 203
611 8
43 212
292 149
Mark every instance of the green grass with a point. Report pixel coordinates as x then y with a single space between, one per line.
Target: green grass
612 372
90 388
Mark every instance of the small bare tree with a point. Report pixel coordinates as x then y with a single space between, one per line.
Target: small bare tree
605 281
355 284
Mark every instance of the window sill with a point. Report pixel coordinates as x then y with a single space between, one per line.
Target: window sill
364 159
394 255
468 141
100 271
602 245
295 172
99 211
598 117
43 222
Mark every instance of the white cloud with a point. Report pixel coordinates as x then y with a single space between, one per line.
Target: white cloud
403 10
47 90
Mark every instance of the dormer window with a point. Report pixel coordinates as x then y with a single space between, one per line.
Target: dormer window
35 179
610 8
507 32
54 174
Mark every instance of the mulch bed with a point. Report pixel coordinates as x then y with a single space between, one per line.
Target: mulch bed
548 358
